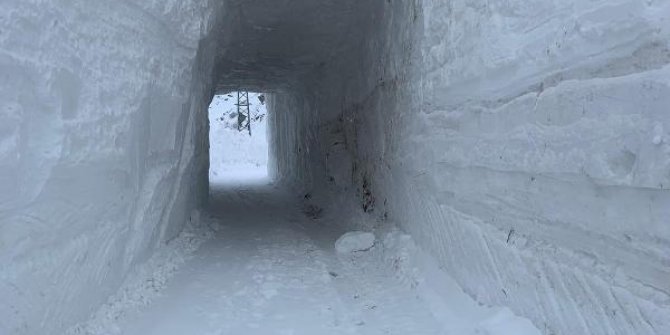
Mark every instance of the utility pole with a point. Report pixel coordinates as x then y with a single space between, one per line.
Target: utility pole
243 111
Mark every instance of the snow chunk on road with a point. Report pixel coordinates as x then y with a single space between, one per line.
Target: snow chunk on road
354 241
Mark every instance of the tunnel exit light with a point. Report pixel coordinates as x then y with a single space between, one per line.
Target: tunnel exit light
236 153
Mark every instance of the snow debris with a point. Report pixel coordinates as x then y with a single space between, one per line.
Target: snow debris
355 241
147 281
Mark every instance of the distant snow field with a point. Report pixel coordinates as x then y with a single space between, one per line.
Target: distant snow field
235 155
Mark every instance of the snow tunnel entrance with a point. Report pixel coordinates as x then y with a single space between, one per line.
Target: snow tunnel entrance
238 143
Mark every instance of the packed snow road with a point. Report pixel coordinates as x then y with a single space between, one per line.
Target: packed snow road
271 269
267 272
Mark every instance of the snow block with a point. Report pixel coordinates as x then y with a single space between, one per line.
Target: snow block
354 241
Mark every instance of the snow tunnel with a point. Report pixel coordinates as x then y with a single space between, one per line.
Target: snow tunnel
523 146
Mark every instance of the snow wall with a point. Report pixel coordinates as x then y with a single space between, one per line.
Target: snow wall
103 147
525 144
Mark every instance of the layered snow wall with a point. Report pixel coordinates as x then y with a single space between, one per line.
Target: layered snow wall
103 147
524 144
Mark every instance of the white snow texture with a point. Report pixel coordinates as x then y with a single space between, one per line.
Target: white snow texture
355 241
522 144
103 118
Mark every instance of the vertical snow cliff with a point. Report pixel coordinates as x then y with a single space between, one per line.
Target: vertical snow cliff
102 147
525 144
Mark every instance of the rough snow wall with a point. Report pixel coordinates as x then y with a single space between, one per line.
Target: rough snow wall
103 149
526 145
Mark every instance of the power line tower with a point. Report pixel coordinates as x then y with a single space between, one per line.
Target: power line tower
243 111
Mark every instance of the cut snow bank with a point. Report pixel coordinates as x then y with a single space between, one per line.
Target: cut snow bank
522 143
457 312
102 147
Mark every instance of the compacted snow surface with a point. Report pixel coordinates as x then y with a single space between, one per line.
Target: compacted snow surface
269 269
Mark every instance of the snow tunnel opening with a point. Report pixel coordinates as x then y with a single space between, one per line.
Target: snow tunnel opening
238 141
